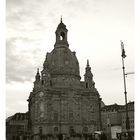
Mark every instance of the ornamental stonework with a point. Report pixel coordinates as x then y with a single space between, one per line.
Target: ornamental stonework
60 102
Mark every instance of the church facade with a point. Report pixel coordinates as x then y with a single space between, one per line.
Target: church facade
60 103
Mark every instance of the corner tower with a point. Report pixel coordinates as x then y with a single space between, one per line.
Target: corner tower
88 77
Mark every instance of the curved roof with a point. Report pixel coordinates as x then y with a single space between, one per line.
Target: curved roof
61 61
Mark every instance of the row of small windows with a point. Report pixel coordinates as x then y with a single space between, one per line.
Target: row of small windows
20 117
71 129
109 110
66 62
43 82
131 121
56 116
131 126
70 117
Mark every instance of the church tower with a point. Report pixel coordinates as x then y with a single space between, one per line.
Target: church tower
61 35
88 77
60 103
37 81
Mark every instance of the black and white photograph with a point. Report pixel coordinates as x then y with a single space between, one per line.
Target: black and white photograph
70 70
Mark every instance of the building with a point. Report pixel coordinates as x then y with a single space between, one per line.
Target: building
114 119
111 119
131 117
111 114
60 103
17 127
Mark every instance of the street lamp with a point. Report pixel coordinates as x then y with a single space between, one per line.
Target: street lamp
125 92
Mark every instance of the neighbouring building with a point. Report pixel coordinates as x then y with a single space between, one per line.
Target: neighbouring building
111 119
60 103
17 127
131 117
114 119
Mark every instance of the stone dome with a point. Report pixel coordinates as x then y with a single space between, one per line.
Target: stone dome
61 61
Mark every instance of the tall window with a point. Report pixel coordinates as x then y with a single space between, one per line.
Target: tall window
62 36
71 130
40 130
50 83
42 82
55 117
71 116
86 85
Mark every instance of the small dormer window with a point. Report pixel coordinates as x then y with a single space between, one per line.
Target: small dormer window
62 36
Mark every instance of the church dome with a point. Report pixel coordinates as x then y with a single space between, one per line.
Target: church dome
61 61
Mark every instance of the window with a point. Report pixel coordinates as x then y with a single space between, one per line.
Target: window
86 85
55 116
85 130
40 130
62 36
71 130
55 129
50 83
71 116
42 82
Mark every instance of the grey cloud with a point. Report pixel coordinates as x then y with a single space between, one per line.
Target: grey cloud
35 10
20 66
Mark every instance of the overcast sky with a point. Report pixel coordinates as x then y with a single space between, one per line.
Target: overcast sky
95 28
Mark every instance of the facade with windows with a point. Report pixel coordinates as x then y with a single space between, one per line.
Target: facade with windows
60 103
111 120
111 115
17 127
114 118
130 115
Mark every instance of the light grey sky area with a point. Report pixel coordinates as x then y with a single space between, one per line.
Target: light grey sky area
95 28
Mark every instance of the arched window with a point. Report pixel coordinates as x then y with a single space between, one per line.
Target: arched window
62 36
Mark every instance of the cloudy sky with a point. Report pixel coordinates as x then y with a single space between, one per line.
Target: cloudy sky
95 28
